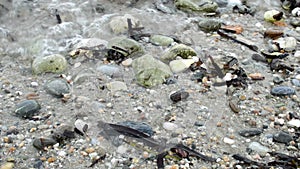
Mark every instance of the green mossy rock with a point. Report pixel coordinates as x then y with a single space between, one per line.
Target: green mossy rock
149 71
55 63
180 50
198 6
161 40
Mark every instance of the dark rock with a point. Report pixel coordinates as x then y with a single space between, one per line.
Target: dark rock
250 132
142 127
41 143
278 80
63 132
282 137
27 108
58 87
179 95
282 91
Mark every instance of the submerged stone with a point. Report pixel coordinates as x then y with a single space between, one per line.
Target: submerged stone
116 86
58 87
109 70
149 71
49 64
119 24
282 91
142 127
27 108
198 6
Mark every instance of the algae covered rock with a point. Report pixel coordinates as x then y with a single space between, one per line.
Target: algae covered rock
209 25
180 50
119 24
161 40
120 48
55 63
198 6
149 71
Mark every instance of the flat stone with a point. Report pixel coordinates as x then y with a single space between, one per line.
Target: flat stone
169 126
49 64
295 82
27 108
180 65
209 25
178 50
282 137
41 143
228 140
294 123
198 6
257 147
282 91
161 40
149 71
58 87
250 132
116 86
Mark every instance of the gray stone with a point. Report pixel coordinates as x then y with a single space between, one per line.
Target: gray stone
83 75
149 71
119 24
161 40
282 91
209 25
180 65
250 132
109 70
116 86
27 108
282 137
287 43
58 87
41 143
257 147
142 127
52 63
295 82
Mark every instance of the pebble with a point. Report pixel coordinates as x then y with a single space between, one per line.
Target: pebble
7 165
41 143
127 62
228 140
109 70
282 91
180 65
295 82
81 126
52 63
161 40
170 126
179 96
58 87
294 123
278 80
116 86
287 43
27 108
140 126
119 24
250 132
209 25
282 137
257 147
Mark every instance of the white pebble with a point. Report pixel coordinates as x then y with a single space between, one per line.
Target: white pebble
169 126
228 140
294 123
62 153
34 84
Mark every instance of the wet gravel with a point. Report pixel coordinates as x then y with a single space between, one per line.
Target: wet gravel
254 121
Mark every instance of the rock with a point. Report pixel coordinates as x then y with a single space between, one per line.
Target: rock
295 82
282 91
179 50
116 86
58 87
109 70
179 95
149 71
228 140
180 65
169 126
63 132
273 15
127 62
296 11
250 132
120 48
294 123
41 143
197 6
27 108
282 137
83 75
7 165
119 24
161 40
142 127
278 80
209 25
257 147
288 44
52 63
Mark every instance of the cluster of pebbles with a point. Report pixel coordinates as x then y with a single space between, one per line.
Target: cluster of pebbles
220 77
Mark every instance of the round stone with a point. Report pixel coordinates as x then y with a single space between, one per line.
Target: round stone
282 137
53 63
58 87
27 108
282 91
